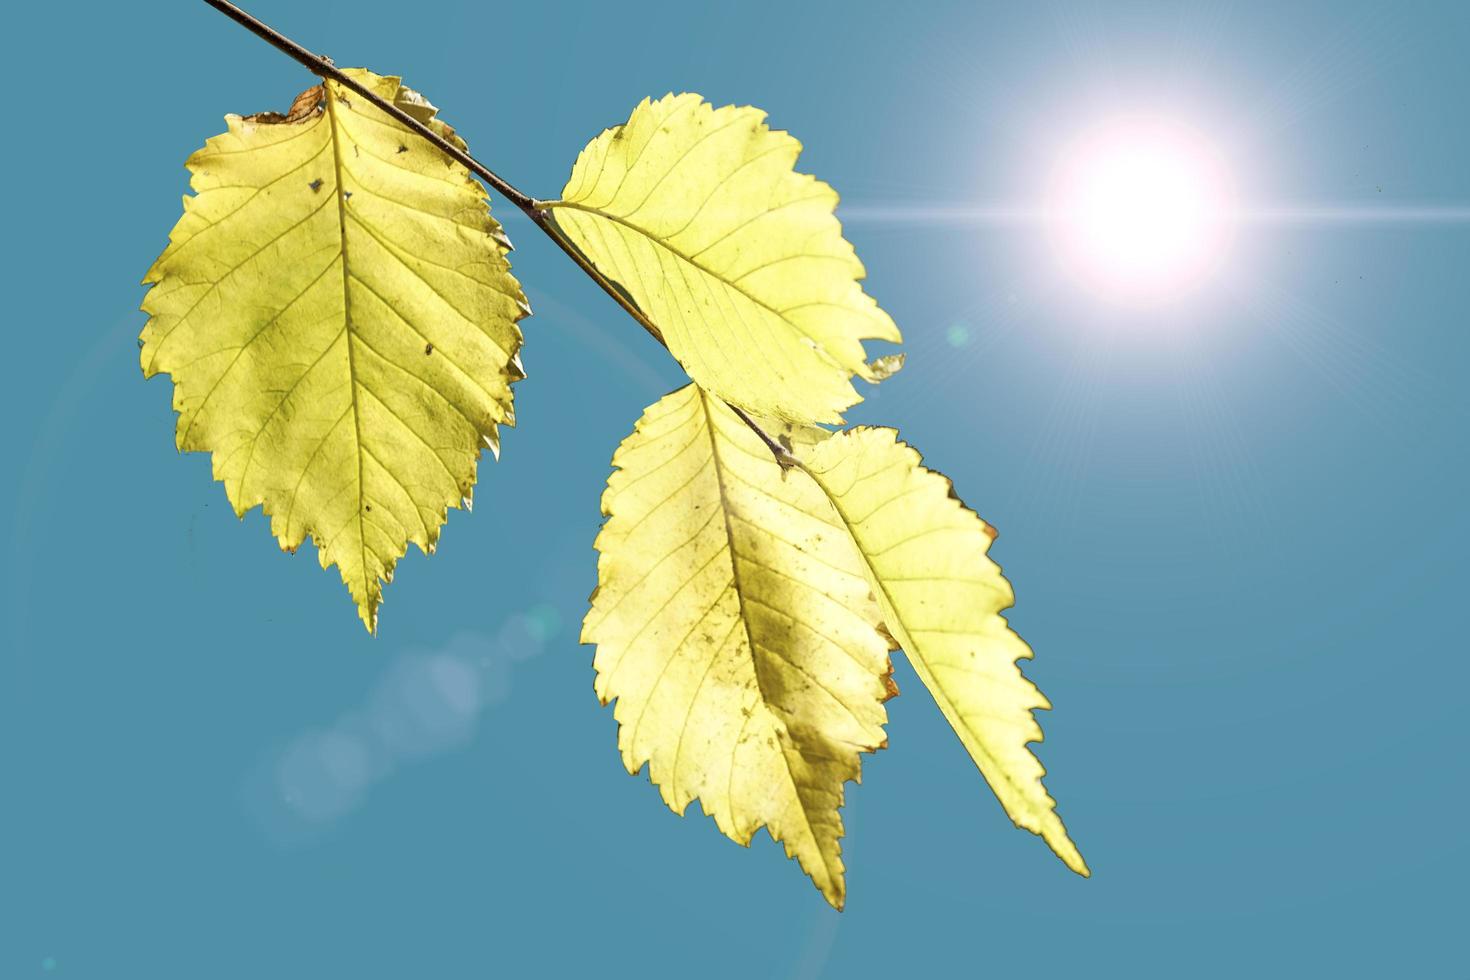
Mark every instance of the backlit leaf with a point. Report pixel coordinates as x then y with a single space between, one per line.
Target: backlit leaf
698 215
338 316
942 598
737 631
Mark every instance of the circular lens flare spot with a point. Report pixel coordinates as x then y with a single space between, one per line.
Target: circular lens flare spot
1140 209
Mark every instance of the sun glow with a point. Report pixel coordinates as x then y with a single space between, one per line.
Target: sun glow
1140 210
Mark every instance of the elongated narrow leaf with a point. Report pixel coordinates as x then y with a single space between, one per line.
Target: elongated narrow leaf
737 259
737 631
942 599
339 318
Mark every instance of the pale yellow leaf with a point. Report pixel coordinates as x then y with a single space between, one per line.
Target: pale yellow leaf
942 598
698 214
737 631
338 316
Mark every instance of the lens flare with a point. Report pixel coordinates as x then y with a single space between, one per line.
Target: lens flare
1140 209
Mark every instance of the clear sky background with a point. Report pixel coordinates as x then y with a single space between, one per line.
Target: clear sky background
1236 526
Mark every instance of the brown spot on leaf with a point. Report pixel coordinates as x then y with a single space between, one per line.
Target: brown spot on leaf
883 632
303 107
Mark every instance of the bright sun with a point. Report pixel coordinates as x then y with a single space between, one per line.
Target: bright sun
1140 209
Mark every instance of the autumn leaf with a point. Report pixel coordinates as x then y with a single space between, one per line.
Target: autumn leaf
737 632
338 316
942 598
736 259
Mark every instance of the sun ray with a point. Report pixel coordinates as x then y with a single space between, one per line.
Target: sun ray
1010 215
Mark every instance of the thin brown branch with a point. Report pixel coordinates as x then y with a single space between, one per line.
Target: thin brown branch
784 458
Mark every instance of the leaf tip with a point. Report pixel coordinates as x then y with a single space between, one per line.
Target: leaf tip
368 613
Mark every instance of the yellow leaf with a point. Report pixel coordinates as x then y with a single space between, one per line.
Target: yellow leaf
339 318
942 598
737 631
697 214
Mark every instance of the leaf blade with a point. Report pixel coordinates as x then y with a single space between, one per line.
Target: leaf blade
337 314
698 215
745 686
942 599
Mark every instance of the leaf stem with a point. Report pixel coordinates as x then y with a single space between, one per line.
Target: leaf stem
538 211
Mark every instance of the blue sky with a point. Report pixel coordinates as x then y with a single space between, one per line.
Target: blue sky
1235 523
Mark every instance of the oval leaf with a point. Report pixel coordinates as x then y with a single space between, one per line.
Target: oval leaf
942 598
737 631
697 214
339 318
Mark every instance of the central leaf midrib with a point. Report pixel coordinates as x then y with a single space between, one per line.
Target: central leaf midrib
615 219
719 466
331 99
